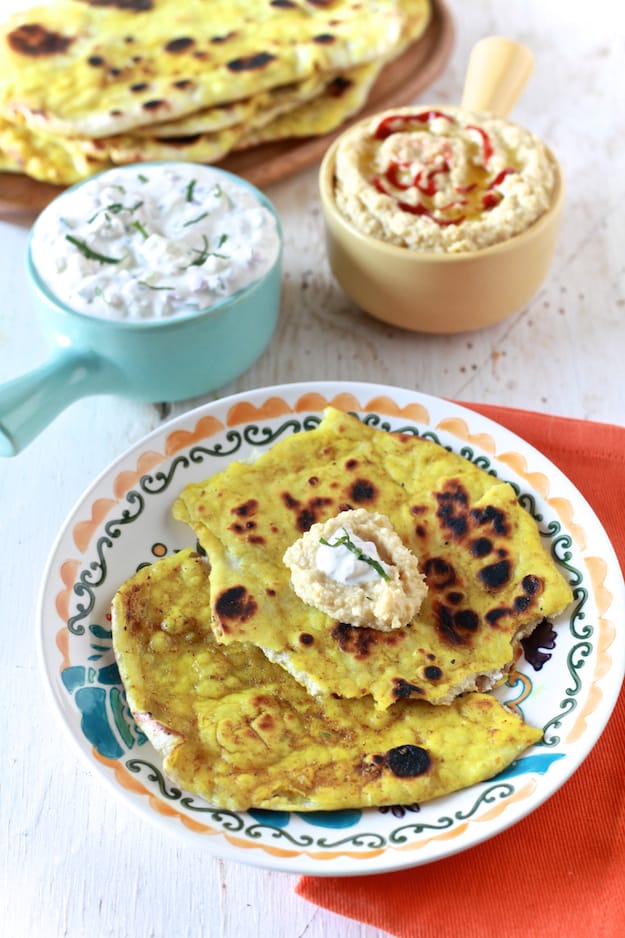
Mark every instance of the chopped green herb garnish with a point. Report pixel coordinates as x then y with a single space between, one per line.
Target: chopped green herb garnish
190 189
150 286
108 208
115 208
84 248
193 221
204 254
217 191
100 292
345 541
140 227
222 240
201 255
143 178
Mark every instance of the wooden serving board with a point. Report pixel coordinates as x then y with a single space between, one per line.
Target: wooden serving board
22 198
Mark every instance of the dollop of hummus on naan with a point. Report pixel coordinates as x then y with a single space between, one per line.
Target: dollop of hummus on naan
355 568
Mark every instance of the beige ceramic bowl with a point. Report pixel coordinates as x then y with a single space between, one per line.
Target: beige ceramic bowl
445 293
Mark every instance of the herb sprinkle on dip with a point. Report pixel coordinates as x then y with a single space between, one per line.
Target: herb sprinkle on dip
153 242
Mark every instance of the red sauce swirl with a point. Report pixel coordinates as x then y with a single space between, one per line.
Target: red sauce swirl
420 182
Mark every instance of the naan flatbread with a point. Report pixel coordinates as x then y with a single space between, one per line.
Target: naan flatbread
89 84
45 157
250 112
240 732
343 97
94 68
65 160
490 580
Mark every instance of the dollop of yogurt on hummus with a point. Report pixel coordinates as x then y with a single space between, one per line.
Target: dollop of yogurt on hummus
442 180
350 560
355 568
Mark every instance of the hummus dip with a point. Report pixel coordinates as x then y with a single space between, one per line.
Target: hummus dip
355 568
443 179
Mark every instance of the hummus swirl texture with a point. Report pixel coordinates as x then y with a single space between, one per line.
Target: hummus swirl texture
443 179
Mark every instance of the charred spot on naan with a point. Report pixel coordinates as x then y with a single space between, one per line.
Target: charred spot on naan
490 580
238 730
34 40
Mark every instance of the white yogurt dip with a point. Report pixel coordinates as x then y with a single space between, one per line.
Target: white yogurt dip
153 241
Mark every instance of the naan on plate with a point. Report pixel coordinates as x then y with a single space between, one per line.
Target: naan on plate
490 579
240 732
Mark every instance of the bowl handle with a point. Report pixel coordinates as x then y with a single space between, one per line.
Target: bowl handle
30 402
497 72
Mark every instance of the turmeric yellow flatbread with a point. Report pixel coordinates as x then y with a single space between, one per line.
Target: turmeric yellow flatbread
65 160
44 156
239 731
86 84
88 68
489 578
256 110
343 96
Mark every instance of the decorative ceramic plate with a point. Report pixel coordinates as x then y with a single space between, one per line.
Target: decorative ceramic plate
568 684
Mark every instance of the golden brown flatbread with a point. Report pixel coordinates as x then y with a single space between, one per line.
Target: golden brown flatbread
239 731
490 579
87 84
65 160
93 68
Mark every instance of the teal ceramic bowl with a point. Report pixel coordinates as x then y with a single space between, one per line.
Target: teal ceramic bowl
150 360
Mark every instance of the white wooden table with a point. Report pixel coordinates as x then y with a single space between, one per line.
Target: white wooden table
76 863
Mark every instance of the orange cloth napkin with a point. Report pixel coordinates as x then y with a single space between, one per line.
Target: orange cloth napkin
559 873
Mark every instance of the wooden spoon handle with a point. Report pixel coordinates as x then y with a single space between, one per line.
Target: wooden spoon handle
497 72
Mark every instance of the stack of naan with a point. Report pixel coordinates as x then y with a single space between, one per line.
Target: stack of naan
86 84
256 699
